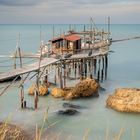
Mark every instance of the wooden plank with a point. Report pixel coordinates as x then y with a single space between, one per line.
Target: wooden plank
27 68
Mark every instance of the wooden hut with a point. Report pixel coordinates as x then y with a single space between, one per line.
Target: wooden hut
68 43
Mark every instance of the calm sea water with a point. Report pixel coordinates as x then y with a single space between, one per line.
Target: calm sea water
95 119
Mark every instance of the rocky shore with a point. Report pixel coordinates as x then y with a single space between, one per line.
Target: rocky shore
125 100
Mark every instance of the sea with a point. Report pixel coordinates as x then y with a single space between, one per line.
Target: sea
94 121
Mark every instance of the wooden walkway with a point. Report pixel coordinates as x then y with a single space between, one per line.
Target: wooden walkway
26 69
45 62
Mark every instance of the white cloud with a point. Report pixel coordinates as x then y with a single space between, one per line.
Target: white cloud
66 11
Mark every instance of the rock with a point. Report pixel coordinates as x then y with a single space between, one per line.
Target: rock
125 100
70 105
85 88
43 89
57 92
68 112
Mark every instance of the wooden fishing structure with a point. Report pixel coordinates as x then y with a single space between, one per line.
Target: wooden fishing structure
76 55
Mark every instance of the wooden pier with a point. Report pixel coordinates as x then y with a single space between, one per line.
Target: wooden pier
27 69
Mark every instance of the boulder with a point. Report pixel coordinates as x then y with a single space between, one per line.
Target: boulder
85 88
57 92
43 89
125 100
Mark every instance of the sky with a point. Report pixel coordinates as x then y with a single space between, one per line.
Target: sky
69 11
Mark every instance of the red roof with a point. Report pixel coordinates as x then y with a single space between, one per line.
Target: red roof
72 37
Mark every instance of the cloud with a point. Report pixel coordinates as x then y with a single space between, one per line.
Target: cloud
62 2
20 2
68 11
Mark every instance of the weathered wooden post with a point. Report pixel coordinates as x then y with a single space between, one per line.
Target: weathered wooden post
81 71
90 71
95 63
58 67
85 66
99 61
55 74
46 77
102 73
106 65
64 74
36 99
22 97
75 69
79 68
61 80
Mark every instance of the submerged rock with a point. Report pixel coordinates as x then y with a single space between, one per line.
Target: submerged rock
43 89
70 105
125 100
68 112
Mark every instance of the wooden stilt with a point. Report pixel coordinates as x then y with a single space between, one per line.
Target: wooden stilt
36 99
98 76
79 68
85 66
95 62
46 77
75 69
55 74
106 66
73 64
61 80
99 66
102 77
64 75
81 71
22 97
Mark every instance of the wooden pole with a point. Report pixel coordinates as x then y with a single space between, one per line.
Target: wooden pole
22 87
58 68
102 77
84 36
108 27
85 65
95 62
79 68
64 75
75 69
15 55
61 81
55 74
46 77
99 61
106 65
81 71
90 71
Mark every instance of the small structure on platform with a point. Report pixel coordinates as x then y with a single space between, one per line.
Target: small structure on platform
66 43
